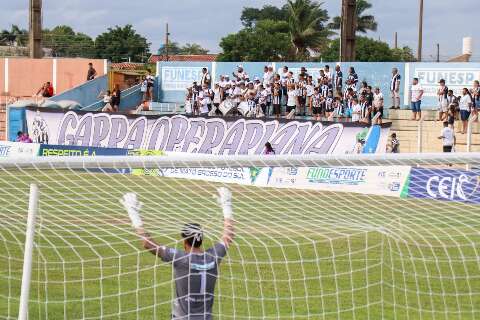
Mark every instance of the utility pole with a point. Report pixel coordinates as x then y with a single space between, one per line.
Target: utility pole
395 41
35 28
438 52
166 43
348 30
420 32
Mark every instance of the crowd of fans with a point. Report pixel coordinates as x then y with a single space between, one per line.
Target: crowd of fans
323 95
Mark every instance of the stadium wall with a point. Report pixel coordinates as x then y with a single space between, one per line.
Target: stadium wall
174 77
22 77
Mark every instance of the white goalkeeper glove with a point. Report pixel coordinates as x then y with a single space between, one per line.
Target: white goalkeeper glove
133 206
224 199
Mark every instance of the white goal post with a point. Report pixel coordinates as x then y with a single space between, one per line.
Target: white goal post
317 248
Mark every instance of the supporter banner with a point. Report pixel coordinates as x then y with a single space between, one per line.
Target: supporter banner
201 135
18 150
445 184
47 150
385 181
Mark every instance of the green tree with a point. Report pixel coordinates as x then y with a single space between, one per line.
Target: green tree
250 16
306 21
367 50
193 48
404 54
364 22
173 48
14 36
268 40
65 42
122 43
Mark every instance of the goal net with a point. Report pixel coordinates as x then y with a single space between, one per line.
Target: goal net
317 237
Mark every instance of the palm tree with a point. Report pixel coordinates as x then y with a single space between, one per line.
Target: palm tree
306 25
364 22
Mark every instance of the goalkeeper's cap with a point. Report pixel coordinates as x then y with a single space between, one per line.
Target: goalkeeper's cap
193 234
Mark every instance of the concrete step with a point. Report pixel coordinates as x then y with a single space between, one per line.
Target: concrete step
405 114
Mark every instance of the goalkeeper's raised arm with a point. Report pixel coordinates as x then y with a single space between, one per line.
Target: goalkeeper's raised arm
195 270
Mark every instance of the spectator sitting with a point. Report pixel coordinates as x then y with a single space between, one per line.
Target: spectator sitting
23 137
358 149
45 91
107 100
269 149
394 144
19 136
26 138
144 106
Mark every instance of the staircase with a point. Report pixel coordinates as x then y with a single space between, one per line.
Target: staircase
407 132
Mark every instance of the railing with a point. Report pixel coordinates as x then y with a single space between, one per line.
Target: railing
469 131
420 135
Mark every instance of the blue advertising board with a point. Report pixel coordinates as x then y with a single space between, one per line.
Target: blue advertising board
48 150
445 184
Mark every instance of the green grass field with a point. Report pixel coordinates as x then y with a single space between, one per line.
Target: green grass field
297 255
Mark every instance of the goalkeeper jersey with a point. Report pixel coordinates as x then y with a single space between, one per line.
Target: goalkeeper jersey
195 278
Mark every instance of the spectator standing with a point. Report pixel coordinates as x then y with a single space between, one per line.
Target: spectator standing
338 81
416 94
116 98
150 84
206 78
465 105
91 73
276 99
240 75
267 75
442 94
395 89
356 110
352 79
475 92
144 88
378 103
291 98
448 138
328 73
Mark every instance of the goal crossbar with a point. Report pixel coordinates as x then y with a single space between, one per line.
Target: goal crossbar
210 161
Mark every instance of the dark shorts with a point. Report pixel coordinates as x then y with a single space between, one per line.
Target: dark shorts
447 148
416 106
464 115
302 101
381 112
290 108
317 110
277 109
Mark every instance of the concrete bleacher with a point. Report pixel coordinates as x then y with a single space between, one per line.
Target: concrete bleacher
407 132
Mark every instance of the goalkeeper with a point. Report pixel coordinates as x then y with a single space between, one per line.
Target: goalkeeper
195 270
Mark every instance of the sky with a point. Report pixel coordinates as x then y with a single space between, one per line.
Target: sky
206 22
